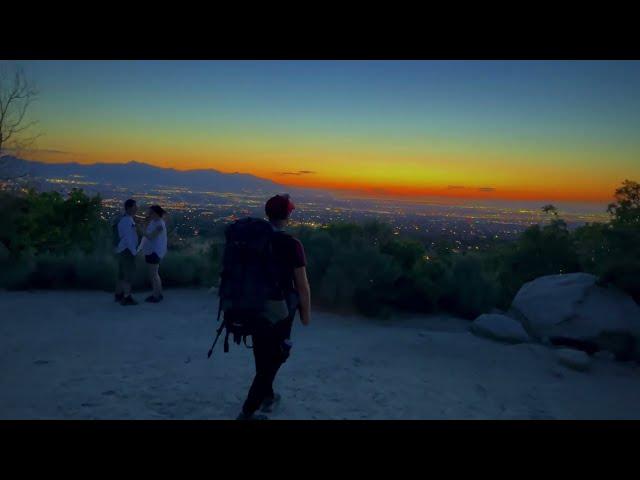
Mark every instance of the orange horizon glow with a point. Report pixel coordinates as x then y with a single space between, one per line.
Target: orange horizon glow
377 188
485 130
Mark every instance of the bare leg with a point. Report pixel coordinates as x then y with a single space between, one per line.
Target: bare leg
156 283
126 288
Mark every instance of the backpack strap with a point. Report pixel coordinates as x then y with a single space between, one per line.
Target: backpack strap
219 310
218 331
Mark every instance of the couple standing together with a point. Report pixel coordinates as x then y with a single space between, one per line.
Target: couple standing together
153 245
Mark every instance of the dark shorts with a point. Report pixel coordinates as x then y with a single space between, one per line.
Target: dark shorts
126 266
152 259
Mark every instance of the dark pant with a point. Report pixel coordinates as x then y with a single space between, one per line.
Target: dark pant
126 266
269 353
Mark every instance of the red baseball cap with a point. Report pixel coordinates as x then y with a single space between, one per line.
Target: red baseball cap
279 207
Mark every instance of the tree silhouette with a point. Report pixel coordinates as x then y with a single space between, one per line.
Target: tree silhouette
550 209
626 208
16 96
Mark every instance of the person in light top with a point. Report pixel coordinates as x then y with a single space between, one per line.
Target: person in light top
126 248
154 247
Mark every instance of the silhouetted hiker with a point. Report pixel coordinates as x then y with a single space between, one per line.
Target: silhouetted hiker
263 284
126 246
154 247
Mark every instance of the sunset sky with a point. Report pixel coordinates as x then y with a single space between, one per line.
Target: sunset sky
557 130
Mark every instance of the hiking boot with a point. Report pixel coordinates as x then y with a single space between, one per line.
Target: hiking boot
243 416
128 301
152 299
270 403
118 297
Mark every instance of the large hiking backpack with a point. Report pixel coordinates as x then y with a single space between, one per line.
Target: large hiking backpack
249 279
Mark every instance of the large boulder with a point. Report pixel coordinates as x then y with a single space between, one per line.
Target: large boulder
571 309
499 327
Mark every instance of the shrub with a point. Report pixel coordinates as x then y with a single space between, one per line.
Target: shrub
470 291
48 241
538 251
15 275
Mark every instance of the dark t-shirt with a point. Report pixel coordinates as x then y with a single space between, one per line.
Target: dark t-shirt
290 255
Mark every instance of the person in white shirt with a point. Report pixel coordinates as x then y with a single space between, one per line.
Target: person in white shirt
126 249
154 247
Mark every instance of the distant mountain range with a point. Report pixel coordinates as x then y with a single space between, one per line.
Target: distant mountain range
137 175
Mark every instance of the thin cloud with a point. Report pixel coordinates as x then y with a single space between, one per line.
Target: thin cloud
455 187
39 150
487 189
299 172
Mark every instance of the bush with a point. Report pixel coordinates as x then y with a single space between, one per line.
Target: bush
182 269
539 251
96 271
48 271
470 291
48 241
47 222
612 252
15 275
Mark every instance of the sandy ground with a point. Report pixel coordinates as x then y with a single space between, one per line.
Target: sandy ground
78 355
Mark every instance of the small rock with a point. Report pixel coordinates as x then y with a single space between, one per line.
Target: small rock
188 360
109 392
499 327
535 349
604 355
41 362
574 359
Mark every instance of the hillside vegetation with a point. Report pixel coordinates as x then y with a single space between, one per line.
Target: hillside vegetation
50 241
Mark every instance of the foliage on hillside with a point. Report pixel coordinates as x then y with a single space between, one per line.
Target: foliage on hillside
47 241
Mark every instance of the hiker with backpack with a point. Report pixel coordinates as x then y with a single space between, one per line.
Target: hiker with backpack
263 284
125 239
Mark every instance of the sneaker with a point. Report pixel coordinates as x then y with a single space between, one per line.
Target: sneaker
152 299
242 416
118 297
128 301
270 403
